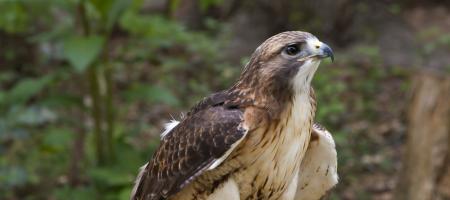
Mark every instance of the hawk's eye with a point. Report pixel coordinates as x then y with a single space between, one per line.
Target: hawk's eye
292 50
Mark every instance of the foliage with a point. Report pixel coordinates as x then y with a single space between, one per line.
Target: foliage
81 51
60 103
85 86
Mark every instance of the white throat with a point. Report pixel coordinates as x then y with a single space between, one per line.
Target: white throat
302 80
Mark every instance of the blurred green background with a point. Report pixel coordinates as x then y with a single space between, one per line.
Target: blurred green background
86 85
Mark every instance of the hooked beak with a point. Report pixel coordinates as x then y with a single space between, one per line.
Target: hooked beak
325 52
318 49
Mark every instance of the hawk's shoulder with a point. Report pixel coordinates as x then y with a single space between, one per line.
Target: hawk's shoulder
210 101
204 136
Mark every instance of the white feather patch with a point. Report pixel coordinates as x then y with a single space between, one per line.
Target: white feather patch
302 80
168 127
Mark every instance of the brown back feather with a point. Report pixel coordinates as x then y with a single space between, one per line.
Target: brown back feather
209 130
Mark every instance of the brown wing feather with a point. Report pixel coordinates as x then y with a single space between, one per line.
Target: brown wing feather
194 144
212 100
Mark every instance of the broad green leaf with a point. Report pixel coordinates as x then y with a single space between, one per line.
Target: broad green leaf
101 6
110 10
27 88
115 11
82 51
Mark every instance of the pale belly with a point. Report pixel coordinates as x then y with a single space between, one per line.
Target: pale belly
270 173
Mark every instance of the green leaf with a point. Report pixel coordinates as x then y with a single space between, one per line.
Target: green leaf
110 10
82 51
116 11
27 88
101 6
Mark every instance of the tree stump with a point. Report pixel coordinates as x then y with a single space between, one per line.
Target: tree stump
426 164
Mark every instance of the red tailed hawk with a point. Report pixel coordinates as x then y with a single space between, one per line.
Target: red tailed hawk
255 140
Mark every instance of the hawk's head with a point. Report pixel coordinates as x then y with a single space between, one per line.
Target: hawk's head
284 64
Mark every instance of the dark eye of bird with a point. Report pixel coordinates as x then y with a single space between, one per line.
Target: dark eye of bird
292 50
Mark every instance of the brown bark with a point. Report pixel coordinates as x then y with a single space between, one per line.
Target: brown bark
76 159
425 164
